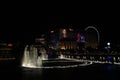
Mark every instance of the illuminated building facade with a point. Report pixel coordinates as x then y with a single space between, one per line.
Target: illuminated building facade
67 39
6 51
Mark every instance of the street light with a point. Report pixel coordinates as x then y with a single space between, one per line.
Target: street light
108 46
108 43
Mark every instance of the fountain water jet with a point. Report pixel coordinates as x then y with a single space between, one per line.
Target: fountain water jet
31 57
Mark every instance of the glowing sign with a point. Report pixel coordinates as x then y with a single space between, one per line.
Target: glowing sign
10 45
80 38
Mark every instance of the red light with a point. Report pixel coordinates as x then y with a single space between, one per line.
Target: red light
10 45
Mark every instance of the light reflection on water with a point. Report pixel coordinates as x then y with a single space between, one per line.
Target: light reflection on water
32 74
90 72
94 72
62 69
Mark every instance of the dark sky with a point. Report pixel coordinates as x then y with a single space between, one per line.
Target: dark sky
23 25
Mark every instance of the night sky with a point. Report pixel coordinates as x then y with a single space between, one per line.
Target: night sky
26 25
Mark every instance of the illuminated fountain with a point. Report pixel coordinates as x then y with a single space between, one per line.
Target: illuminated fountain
31 57
37 58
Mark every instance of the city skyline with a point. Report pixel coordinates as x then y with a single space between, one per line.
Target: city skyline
26 28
